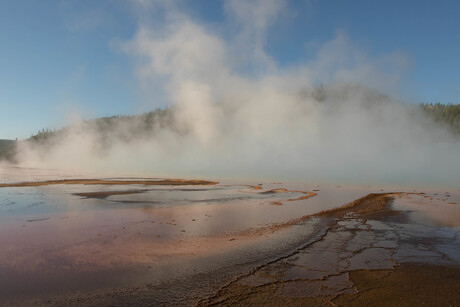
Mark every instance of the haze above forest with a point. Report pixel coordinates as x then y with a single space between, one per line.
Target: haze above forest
331 133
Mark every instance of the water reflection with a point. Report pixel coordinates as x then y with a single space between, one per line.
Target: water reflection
59 238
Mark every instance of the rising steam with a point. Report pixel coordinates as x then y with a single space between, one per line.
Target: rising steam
236 113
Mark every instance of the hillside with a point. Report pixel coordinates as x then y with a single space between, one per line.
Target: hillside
445 113
149 123
4 144
145 126
120 127
7 150
104 129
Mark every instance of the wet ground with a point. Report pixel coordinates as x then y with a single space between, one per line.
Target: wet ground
219 242
358 252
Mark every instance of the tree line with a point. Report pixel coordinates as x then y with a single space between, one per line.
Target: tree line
444 113
128 127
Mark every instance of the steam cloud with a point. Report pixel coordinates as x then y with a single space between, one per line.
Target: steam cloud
238 114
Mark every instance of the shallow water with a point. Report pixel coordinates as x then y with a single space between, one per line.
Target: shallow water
55 241
436 208
186 239
319 272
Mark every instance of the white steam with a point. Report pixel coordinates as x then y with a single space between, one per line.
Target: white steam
266 121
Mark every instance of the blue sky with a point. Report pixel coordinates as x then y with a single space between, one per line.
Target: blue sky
62 57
